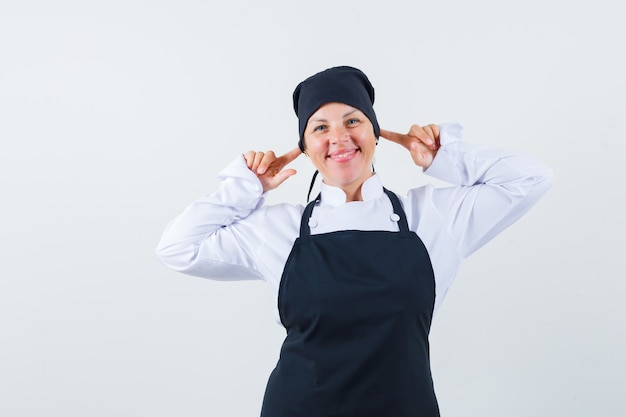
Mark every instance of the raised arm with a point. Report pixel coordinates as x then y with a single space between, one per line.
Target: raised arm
493 187
218 235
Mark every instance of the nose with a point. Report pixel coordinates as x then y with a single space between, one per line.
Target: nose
339 135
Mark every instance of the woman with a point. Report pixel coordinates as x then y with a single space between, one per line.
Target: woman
359 272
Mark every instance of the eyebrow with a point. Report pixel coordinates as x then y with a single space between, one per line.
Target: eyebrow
319 119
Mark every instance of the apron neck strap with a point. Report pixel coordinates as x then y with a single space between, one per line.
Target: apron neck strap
305 230
397 208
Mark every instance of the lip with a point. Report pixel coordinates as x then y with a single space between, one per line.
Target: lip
343 155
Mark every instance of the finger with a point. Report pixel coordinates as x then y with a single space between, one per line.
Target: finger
282 176
290 156
422 155
249 158
431 134
393 136
437 137
429 131
435 129
418 153
267 160
415 150
418 132
258 157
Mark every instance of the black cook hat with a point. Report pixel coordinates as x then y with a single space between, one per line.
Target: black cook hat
343 84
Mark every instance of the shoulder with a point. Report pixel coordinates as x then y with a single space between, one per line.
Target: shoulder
416 198
282 216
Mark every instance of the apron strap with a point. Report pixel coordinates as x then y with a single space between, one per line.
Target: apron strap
397 208
305 230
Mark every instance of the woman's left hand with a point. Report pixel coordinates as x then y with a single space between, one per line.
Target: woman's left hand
422 142
269 168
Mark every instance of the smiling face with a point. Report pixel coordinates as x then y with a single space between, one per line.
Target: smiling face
340 141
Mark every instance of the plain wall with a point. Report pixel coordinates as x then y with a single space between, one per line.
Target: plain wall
115 115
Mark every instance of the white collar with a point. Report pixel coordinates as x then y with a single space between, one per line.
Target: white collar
371 189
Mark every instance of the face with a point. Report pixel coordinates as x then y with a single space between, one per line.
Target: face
340 141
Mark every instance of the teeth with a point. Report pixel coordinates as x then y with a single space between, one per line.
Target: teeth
342 155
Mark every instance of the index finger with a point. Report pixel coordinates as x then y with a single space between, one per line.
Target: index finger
291 155
392 136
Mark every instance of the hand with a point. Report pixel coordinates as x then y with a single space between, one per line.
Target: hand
422 142
269 168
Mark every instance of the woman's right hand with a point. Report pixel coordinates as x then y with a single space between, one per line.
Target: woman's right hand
421 141
269 168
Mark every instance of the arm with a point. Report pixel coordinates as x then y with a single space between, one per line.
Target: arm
218 235
198 227
493 187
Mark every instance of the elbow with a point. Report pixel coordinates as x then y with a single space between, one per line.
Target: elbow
533 188
175 256
535 179
543 181
162 254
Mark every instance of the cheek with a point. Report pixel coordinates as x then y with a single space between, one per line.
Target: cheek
312 144
367 139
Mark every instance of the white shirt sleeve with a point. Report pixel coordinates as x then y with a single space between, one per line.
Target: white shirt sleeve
494 188
231 235
197 242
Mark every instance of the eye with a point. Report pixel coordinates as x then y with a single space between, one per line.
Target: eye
319 128
353 121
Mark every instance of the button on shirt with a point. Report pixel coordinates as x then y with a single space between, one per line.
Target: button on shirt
232 235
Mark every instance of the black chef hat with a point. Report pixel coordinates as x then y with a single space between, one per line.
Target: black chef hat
344 84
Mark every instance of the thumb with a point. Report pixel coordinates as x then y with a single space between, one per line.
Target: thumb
282 176
420 157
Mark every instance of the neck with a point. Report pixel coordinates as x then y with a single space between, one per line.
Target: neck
353 191
353 194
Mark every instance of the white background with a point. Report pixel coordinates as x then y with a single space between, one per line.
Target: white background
115 115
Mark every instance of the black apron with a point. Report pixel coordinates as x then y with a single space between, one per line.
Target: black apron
357 306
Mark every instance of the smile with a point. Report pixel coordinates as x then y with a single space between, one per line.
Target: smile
343 155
